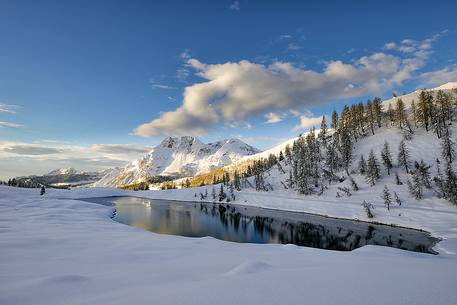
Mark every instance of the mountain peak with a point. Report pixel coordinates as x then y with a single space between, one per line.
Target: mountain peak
62 171
179 157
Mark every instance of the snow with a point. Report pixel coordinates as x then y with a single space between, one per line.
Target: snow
184 156
414 96
63 251
62 171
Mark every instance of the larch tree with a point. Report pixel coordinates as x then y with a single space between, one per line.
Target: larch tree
386 157
403 156
447 147
372 169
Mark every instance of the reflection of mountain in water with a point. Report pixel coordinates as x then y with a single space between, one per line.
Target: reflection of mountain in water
256 225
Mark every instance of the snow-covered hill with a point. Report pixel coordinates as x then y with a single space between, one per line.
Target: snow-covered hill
178 157
414 96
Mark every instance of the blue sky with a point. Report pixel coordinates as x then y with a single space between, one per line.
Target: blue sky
93 84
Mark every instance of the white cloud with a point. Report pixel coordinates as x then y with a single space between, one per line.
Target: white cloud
8 108
235 5
439 77
307 122
272 118
233 91
58 151
161 86
10 124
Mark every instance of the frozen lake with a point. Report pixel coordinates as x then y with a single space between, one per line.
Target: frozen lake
238 223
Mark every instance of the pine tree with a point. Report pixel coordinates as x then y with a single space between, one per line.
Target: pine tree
237 181
372 169
397 179
362 166
447 147
400 115
415 187
323 131
367 207
386 197
232 192
213 193
332 160
422 170
444 108
425 108
450 184
414 113
281 156
391 114
403 156
386 157
370 115
345 148
397 199
222 194
334 124
377 107
354 185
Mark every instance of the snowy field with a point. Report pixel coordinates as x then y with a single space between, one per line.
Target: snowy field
56 251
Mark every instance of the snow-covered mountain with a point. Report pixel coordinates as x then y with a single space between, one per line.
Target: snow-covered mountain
178 157
62 171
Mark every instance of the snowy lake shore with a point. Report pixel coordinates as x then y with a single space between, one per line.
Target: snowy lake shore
56 249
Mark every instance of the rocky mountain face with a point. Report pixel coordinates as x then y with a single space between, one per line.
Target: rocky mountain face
178 157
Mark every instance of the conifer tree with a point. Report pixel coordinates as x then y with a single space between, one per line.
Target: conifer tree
332 160
372 169
281 156
447 147
391 114
450 184
386 197
323 130
425 108
345 148
400 115
354 185
362 166
334 124
414 112
397 199
386 157
444 108
213 193
377 107
415 187
370 115
397 179
403 156
422 171
367 207
237 181
222 194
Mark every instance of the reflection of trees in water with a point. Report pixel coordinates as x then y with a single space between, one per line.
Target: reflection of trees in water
304 233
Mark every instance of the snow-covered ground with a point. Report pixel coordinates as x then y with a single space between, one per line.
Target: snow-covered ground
66 251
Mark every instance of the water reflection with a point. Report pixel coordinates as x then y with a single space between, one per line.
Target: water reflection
256 225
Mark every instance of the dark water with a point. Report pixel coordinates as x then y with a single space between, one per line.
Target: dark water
256 225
